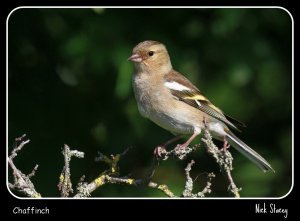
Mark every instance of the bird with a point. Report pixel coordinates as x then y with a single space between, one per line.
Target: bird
171 101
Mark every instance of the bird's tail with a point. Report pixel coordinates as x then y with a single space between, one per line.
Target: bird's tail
252 155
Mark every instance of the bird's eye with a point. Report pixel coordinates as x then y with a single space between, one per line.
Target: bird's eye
151 53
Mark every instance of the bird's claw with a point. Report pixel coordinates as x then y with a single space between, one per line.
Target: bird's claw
180 148
159 151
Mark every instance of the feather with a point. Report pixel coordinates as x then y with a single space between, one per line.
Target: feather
251 154
185 91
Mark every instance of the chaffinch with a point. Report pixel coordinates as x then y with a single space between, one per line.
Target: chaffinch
171 101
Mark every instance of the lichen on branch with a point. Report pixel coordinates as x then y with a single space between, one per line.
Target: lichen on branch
223 158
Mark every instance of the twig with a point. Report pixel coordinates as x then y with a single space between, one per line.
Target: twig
22 182
224 159
33 171
108 177
189 181
18 147
65 184
177 152
163 188
188 191
148 180
207 188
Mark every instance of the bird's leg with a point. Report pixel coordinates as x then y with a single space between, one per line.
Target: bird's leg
172 140
160 149
205 122
226 145
185 145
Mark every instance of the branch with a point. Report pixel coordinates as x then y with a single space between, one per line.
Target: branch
65 184
177 152
224 159
109 177
188 191
112 176
22 182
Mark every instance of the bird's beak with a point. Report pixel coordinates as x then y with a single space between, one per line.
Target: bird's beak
135 58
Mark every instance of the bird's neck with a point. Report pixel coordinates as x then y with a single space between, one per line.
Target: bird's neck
157 69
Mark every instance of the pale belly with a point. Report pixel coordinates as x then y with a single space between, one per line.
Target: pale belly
173 124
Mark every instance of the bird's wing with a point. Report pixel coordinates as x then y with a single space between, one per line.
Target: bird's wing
185 91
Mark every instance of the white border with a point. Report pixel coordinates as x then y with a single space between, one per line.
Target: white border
185 7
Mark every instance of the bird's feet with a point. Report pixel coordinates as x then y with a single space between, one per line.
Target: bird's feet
226 145
159 151
182 150
181 147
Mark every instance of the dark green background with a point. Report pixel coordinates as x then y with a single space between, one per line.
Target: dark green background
70 82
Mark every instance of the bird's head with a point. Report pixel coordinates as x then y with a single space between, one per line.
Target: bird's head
149 56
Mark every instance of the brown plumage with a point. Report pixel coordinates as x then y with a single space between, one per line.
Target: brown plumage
171 101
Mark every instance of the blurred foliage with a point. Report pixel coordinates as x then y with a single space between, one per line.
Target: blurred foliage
70 82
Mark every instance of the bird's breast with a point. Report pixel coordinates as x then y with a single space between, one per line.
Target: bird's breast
159 106
142 94
149 96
